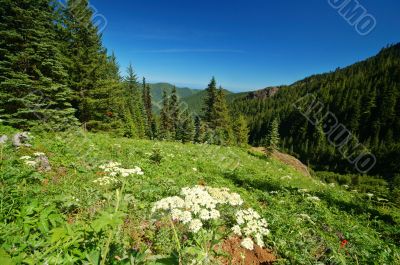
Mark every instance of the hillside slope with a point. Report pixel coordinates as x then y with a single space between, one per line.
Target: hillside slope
364 97
63 216
158 88
195 102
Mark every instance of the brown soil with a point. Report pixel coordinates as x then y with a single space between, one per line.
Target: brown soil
285 158
240 256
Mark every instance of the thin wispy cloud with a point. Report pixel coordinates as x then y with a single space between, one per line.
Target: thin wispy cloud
191 51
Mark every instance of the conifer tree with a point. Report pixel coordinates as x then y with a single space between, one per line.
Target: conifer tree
165 122
186 129
150 122
198 136
209 101
87 57
174 112
33 80
135 102
272 139
241 131
221 119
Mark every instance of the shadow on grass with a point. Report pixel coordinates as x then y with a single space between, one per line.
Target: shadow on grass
354 208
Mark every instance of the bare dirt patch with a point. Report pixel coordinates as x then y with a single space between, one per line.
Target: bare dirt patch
285 158
240 256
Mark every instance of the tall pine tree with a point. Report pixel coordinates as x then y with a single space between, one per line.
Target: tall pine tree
33 81
165 120
174 112
209 101
272 139
241 131
87 57
150 122
135 102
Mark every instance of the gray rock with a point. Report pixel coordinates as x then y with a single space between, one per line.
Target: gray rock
21 139
43 163
3 139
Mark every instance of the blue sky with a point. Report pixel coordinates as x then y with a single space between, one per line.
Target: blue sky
246 45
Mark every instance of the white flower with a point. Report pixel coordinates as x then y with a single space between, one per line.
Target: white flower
25 157
306 217
103 181
176 214
223 196
200 204
195 225
370 195
314 198
114 169
39 154
194 169
259 240
204 214
382 200
332 185
168 203
247 243
186 217
253 225
214 214
236 230
30 163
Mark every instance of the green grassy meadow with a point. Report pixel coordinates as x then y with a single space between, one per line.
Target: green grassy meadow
63 217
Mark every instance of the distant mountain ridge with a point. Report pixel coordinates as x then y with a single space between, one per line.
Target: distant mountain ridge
182 92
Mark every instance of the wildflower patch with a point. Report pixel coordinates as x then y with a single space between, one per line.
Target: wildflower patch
209 216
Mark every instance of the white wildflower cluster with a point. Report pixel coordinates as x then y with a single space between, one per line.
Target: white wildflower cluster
314 198
105 181
286 177
247 243
197 205
113 170
306 217
303 190
30 161
252 226
224 196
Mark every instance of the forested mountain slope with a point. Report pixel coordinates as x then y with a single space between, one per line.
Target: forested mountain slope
365 97
182 92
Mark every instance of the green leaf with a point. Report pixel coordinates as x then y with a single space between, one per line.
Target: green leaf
5 259
170 260
108 219
58 234
93 257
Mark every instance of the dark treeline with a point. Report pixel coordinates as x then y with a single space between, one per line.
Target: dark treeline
56 73
364 97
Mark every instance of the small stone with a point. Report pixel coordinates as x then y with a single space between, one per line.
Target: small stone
21 139
3 139
43 163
